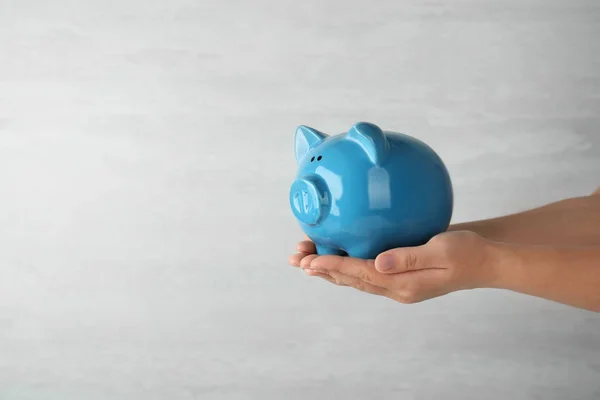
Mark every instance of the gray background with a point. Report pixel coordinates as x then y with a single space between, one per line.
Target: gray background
146 151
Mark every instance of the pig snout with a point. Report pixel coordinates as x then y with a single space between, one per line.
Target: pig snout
309 199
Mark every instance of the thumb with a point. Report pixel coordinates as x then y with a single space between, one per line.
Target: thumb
403 259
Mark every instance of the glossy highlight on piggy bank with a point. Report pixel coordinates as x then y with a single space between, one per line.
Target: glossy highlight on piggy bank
366 191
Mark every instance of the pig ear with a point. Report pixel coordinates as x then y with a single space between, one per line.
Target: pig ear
372 140
306 139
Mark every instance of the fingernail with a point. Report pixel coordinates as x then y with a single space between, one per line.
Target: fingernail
385 262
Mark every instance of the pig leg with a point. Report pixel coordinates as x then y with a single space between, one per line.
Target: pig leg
328 251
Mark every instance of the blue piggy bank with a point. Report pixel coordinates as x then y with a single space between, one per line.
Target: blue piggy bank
366 191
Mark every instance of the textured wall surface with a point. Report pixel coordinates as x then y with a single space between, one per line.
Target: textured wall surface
146 152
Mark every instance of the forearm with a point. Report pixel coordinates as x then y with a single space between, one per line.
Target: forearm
562 274
574 221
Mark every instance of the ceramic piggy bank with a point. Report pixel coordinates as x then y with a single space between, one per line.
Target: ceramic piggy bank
366 191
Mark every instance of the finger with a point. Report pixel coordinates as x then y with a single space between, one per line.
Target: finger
306 261
296 259
327 277
405 259
349 266
307 247
358 284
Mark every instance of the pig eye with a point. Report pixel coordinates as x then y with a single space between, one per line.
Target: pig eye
312 159
319 158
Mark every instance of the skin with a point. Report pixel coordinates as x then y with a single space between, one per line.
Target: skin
551 252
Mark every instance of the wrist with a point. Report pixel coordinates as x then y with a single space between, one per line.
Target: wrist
517 267
490 229
501 266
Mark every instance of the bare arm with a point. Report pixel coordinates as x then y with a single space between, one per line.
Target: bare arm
553 251
568 275
574 221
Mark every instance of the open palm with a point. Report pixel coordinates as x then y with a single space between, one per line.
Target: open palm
449 262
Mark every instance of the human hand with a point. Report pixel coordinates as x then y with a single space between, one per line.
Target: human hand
449 262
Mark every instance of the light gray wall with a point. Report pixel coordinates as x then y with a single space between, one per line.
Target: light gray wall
145 159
